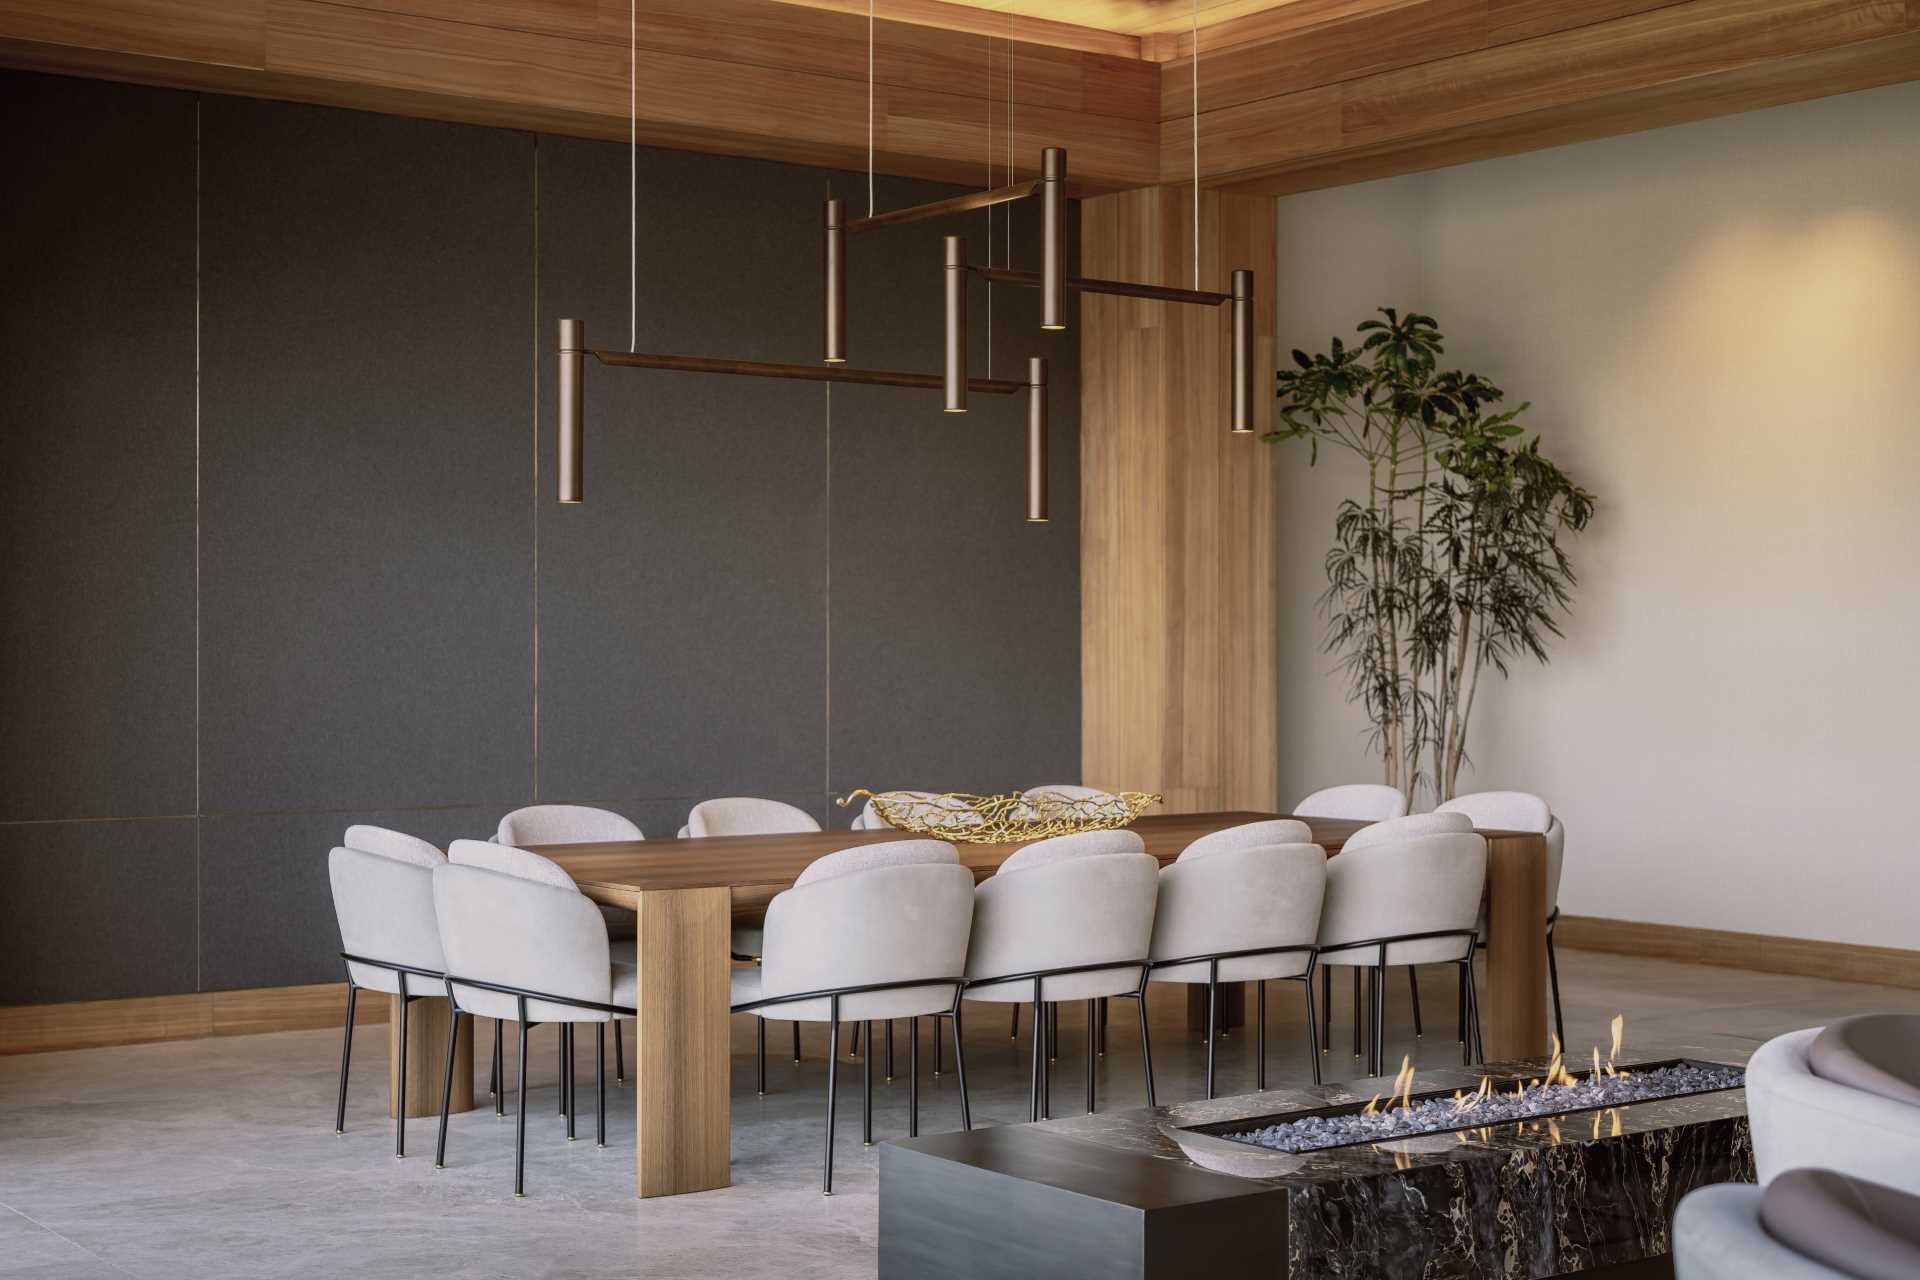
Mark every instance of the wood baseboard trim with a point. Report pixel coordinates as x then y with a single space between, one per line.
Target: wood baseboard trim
1801 957
93 1024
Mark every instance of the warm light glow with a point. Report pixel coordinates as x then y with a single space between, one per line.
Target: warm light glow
1403 1082
1619 1036
1053 328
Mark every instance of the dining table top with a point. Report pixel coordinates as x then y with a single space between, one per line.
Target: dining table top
758 865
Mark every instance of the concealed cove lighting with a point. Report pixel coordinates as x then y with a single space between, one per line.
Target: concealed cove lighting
572 462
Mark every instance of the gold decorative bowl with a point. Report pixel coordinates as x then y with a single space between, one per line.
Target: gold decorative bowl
957 815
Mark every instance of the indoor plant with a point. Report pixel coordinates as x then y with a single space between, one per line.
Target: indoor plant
1453 561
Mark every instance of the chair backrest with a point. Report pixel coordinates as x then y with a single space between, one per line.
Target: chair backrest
1250 835
1240 899
1081 844
1502 810
384 906
1357 801
1414 824
883 923
747 816
1063 913
394 844
871 819
1041 801
564 824
893 853
523 864
521 933
1422 884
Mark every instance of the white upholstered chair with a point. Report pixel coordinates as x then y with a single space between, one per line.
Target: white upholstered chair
878 931
1066 919
1807 1224
383 900
574 824
1355 802
870 818
1405 891
1803 1118
1232 910
1523 811
747 816
524 945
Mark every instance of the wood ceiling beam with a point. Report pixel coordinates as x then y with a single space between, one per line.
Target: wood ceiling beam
745 77
1494 76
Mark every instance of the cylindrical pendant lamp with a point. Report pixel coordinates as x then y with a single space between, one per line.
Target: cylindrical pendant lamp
1240 368
1036 439
1053 244
572 463
956 280
836 292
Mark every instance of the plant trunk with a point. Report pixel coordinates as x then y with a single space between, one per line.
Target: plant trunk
1460 734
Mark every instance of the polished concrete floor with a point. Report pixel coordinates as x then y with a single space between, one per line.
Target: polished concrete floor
217 1158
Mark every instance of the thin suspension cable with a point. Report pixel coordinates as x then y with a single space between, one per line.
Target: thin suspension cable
1196 143
869 108
1009 218
990 207
633 177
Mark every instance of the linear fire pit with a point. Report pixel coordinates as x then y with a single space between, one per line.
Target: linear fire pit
1188 1190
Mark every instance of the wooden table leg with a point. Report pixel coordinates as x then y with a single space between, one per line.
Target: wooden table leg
1514 1004
682 1063
427 1057
1232 1006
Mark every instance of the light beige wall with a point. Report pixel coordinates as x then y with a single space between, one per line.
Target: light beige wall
1719 326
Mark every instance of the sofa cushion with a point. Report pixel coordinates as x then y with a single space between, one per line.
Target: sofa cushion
1877 1053
1858 1228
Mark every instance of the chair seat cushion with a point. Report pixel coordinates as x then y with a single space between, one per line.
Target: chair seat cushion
623 951
1717 1236
1857 1227
626 986
749 941
1877 1053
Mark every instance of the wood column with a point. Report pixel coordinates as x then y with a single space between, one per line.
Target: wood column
682 1062
1177 515
426 1057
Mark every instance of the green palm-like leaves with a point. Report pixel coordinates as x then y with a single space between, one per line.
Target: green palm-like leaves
1454 562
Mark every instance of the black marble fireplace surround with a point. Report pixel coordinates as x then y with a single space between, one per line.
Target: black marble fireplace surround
1160 1192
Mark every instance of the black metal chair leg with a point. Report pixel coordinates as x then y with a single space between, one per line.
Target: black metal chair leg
913 1074
858 1028
520 1125
1213 1023
1093 1051
866 1087
960 1069
1260 1036
1313 1026
796 1042
1413 986
493 1067
936 1045
499 1073
889 1050
566 1078
1045 1029
1359 1016
1466 990
560 1049
1033 1084
1013 1032
400 1080
346 1059
620 1054
1103 1026
760 1058
1460 1026
1146 1047
446 1085
1553 979
1053 1030
600 1082
1326 1008
1376 1060
833 1067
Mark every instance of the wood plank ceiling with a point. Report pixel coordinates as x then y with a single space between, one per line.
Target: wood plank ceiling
1294 94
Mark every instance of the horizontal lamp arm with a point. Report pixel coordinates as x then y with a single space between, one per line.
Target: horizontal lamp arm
801 372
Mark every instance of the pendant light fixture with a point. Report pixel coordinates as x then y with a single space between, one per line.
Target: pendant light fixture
1036 439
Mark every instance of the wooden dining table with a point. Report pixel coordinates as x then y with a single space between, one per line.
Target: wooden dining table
686 895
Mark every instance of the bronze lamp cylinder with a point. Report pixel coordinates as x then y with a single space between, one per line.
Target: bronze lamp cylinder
1240 364
836 280
956 281
572 461
1036 439
1053 244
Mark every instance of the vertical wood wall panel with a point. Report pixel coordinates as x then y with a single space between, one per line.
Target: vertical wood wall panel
1176 513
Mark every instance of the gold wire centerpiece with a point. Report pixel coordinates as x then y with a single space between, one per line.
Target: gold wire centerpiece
974 819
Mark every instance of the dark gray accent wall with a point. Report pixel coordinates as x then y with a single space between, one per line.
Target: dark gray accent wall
289 559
